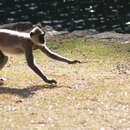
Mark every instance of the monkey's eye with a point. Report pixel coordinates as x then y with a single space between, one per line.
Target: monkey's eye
31 34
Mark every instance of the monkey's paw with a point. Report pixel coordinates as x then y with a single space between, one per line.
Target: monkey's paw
52 81
74 62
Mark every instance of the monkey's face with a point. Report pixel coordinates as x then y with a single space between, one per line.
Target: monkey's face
38 36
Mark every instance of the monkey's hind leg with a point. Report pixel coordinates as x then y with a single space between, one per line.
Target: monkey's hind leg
3 61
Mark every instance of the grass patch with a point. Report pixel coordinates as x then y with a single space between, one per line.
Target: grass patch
93 95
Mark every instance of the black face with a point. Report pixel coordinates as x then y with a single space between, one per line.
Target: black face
41 38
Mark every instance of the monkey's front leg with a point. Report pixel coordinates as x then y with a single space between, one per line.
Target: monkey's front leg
55 56
31 64
38 72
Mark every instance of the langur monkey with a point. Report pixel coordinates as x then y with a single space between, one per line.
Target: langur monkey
14 42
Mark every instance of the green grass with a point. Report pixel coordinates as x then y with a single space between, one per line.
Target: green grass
89 96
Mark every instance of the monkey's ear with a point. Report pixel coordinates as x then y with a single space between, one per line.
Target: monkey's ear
44 33
39 26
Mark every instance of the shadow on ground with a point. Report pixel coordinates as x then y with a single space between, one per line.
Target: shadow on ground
24 92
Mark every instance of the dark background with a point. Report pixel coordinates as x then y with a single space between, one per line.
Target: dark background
102 15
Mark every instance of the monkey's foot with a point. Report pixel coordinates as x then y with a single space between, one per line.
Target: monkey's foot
2 80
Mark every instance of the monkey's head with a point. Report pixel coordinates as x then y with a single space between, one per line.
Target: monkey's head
38 36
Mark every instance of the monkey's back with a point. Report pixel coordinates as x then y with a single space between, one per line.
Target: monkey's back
11 41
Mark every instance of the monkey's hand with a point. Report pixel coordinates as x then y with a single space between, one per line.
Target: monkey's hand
74 62
51 81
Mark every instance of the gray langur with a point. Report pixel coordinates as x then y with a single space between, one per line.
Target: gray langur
14 42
